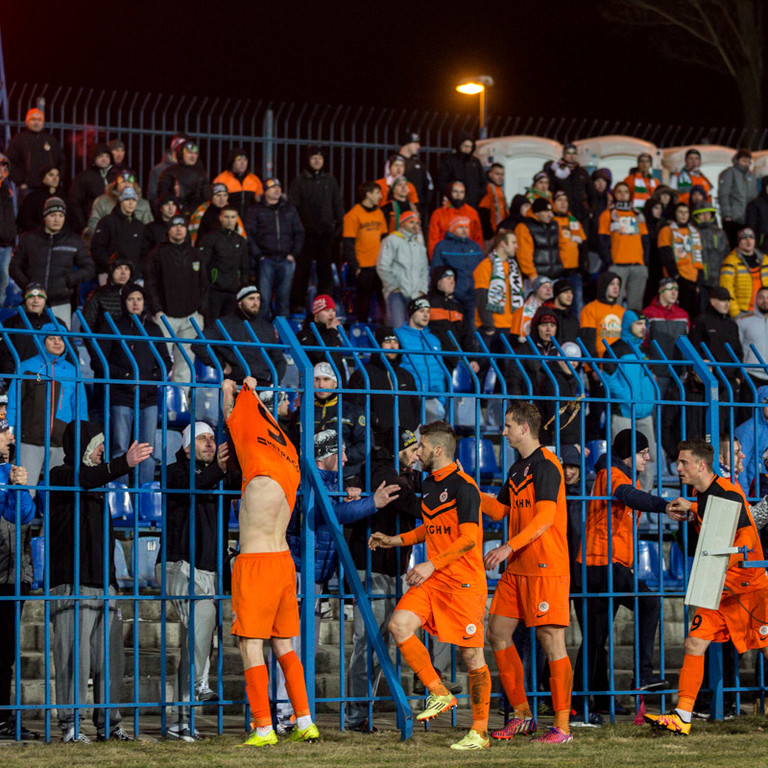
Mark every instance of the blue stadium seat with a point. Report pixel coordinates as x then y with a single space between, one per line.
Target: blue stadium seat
148 547
124 580
358 337
494 575
151 504
489 385
175 404
648 563
295 321
205 374
38 562
120 506
462 379
488 467
675 576
596 449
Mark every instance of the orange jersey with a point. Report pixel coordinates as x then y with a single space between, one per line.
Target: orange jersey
738 580
262 448
441 219
367 228
535 495
626 229
450 498
571 236
605 319
496 204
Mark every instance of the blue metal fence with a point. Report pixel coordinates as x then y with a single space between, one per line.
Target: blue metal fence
474 404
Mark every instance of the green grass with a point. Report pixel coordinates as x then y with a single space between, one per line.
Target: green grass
734 744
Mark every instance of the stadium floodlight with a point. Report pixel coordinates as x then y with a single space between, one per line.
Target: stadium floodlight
474 86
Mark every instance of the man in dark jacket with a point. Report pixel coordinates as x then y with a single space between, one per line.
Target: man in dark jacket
87 186
226 263
123 399
418 174
24 344
186 179
247 314
387 565
275 238
316 196
568 175
169 158
178 289
192 552
323 322
757 215
7 226
32 148
106 298
84 469
55 258
119 232
377 378
155 231
462 165
562 306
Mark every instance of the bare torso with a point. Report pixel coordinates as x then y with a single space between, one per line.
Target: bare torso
264 516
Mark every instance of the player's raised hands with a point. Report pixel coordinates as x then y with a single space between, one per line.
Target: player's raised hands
137 453
229 388
384 494
497 556
380 540
251 383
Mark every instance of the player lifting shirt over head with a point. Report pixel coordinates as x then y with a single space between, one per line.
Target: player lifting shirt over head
270 468
447 593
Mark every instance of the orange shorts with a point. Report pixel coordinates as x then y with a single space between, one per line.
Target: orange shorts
264 602
536 600
732 621
453 617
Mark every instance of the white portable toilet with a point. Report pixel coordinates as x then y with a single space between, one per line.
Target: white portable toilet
760 164
714 160
521 156
616 153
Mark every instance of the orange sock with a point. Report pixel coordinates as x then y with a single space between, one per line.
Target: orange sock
417 658
257 691
294 682
691 678
560 683
480 694
513 680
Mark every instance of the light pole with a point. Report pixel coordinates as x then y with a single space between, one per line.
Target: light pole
477 85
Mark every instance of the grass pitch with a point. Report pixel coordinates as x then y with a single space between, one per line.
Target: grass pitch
735 744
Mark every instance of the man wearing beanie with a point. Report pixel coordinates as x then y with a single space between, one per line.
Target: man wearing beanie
454 204
384 373
403 267
238 327
207 215
119 232
315 194
616 479
565 312
55 258
462 254
87 186
364 229
30 149
744 270
320 329
538 243
32 311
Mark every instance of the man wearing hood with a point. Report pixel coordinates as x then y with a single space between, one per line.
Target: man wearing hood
454 205
403 267
106 298
88 185
624 502
518 210
757 215
384 373
538 243
31 311
154 231
462 255
49 390
244 186
566 314
462 165
600 324
743 272
714 248
186 178
122 353
53 257
106 203
753 436
317 198
493 207
543 331
32 206
323 322
246 314
121 233
30 149
82 470
117 153
573 179
736 186
541 293
630 384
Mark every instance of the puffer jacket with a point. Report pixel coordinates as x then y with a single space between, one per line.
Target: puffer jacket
736 186
425 369
8 522
463 255
736 277
402 265
326 557
274 230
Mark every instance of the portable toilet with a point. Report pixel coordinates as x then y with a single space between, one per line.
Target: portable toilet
521 156
714 160
616 153
760 164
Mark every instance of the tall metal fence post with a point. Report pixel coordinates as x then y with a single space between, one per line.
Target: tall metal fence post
268 145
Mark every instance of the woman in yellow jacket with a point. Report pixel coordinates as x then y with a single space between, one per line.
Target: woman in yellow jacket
743 272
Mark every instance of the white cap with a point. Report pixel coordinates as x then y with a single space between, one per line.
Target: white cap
571 349
201 428
326 370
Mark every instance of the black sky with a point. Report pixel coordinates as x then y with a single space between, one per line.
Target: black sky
552 58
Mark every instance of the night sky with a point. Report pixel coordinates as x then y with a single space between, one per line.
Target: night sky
548 59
